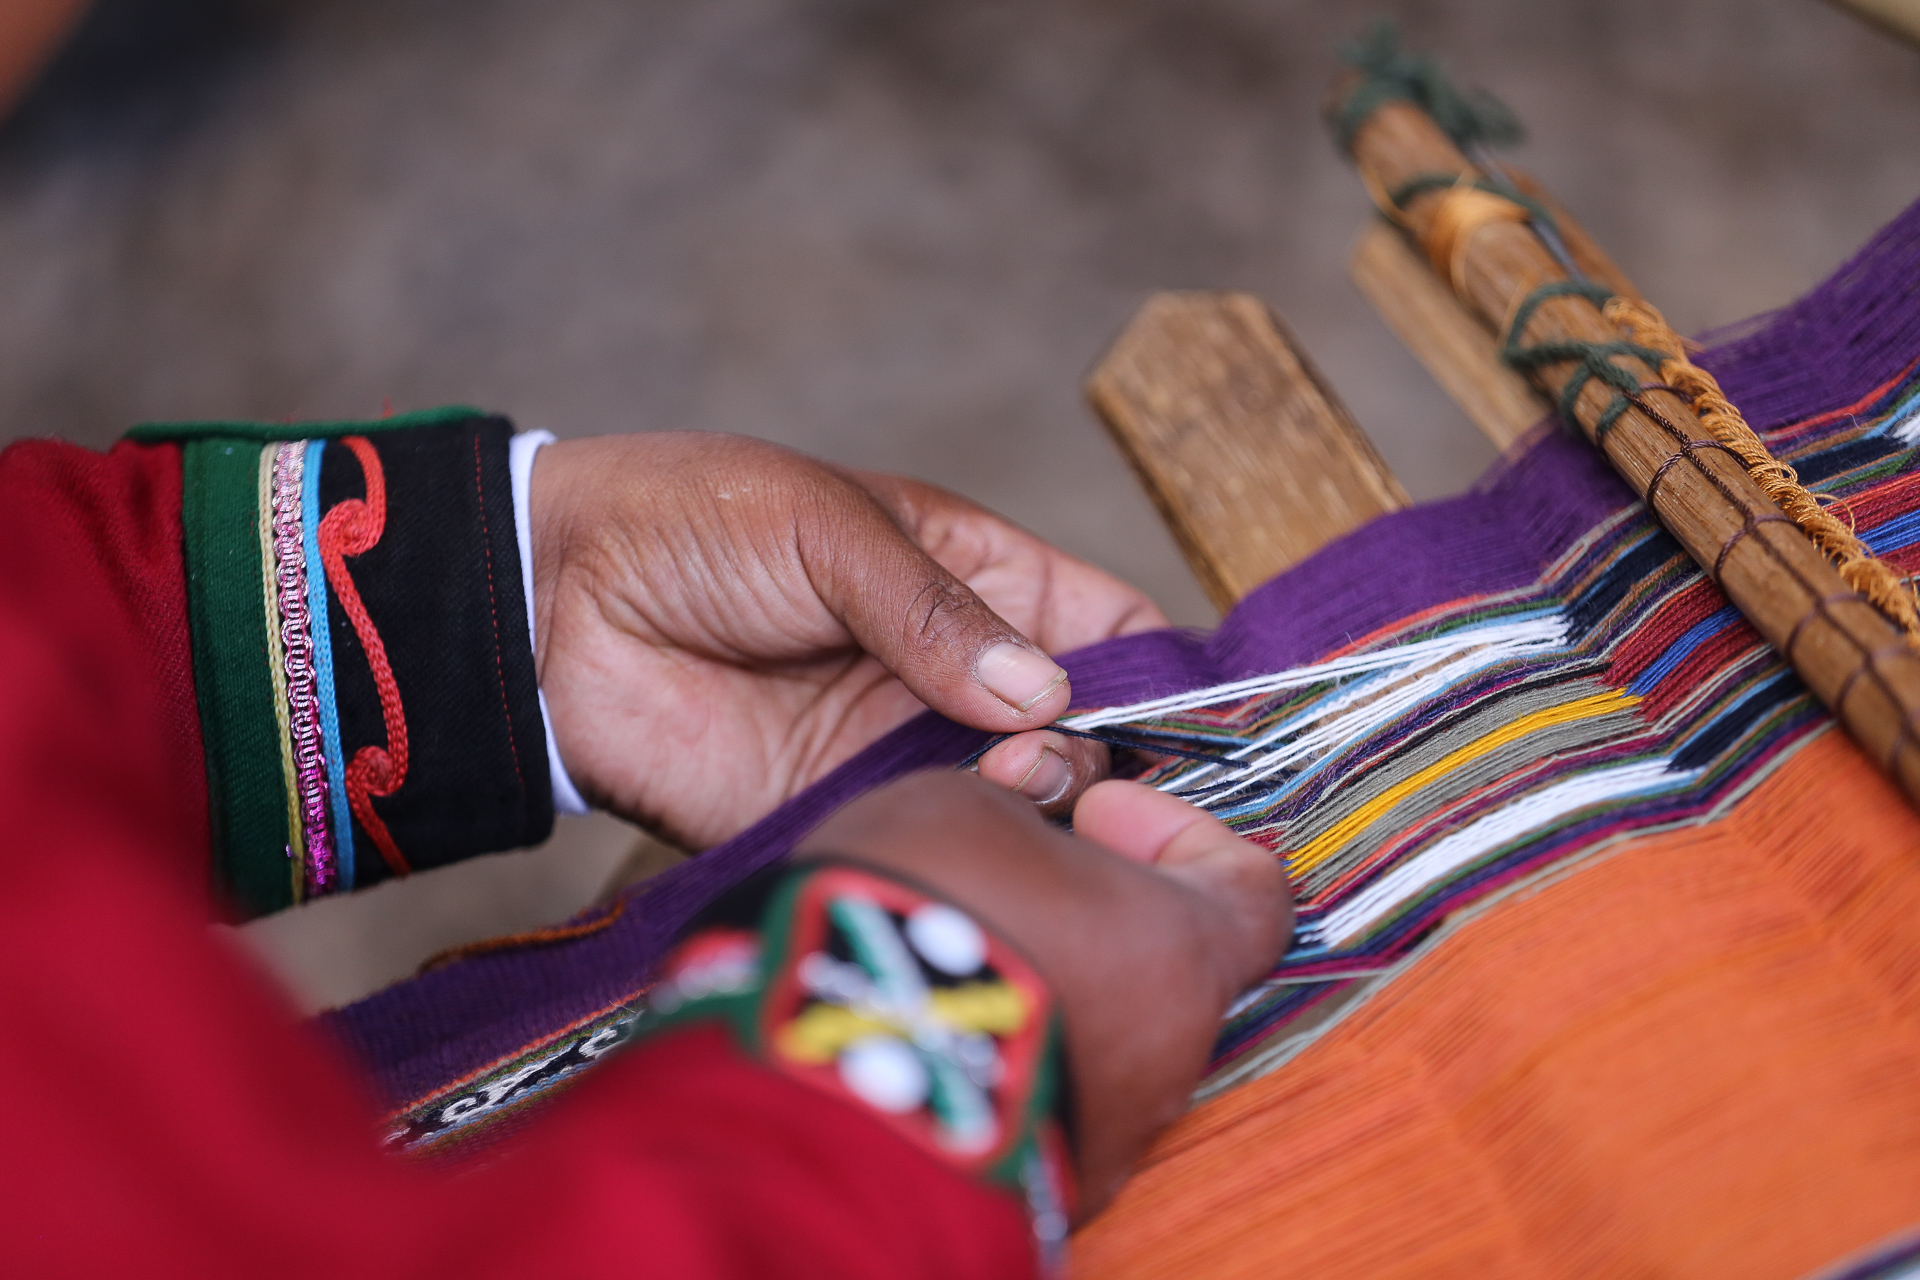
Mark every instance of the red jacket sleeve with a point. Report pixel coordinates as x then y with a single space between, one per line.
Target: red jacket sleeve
168 1115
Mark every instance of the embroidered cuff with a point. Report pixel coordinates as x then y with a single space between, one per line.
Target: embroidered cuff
870 990
361 649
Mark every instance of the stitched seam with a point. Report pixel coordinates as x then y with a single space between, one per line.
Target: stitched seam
493 613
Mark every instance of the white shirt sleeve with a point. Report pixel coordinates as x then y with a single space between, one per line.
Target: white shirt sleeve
520 454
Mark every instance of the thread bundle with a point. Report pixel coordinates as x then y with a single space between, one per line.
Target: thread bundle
1680 1037
1696 1057
1437 765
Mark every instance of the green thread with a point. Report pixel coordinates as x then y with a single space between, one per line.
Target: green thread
1390 74
161 432
1594 359
231 672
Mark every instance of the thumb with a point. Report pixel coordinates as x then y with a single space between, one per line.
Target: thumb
929 628
1244 886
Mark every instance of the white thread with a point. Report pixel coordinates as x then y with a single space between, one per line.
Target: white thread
1907 430
1421 671
1507 823
1537 631
1370 714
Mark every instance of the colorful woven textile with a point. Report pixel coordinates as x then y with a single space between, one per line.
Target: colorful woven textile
1608 960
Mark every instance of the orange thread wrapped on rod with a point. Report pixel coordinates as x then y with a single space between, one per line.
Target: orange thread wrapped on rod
1858 567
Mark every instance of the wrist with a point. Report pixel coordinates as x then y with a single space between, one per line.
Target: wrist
544 542
524 454
871 990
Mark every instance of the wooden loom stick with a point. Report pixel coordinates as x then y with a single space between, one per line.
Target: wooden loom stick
1851 656
1252 461
1581 247
1454 346
1449 340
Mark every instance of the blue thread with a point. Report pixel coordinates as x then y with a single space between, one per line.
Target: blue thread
1904 412
1680 650
323 666
1895 535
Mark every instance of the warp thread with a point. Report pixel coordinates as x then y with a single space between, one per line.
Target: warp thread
1873 578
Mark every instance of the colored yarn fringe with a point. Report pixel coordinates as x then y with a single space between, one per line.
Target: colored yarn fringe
1886 589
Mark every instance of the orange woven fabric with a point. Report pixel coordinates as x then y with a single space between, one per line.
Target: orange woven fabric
1698 1055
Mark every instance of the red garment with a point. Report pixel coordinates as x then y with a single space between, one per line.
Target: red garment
167 1114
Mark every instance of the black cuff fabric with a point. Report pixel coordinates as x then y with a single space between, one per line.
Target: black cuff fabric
361 651
443 589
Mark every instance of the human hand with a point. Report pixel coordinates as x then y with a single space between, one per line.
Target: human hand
720 621
1143 951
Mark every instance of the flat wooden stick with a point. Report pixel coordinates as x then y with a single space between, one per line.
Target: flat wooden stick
1457 349
1251 460
1898 18
1851 656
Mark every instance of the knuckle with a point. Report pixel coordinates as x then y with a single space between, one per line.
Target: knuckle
940 613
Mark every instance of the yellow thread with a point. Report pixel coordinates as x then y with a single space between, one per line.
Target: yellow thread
1325 845
276 664
1381 200
996 1007
819 1034
1878 581
1460 214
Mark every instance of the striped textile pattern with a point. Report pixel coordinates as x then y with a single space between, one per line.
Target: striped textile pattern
1608 963
1620 694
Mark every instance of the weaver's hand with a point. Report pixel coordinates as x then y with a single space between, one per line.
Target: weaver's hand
1144 951
719 622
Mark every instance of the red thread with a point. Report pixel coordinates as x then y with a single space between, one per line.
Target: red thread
493 611
531 938
352 528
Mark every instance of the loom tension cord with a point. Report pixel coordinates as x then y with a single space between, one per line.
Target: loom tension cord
1469 201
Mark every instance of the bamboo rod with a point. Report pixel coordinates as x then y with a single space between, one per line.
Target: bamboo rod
1849 655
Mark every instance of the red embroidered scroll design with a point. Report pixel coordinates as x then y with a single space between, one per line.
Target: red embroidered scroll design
350 528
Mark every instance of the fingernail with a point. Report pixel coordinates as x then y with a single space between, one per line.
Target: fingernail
1048 779
1017 675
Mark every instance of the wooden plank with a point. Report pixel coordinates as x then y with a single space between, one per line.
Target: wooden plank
1898 18
1456 348
1251 460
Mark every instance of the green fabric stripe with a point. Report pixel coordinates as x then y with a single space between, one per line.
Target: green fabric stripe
231 676
158 432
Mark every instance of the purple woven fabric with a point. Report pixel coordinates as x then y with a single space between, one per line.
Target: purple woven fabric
1830 348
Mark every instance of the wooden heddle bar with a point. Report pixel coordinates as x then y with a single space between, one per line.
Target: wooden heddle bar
1252 460
1485 251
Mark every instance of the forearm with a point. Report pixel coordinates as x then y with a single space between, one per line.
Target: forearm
176 1120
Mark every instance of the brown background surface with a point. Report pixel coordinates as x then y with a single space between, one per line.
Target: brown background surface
886 232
